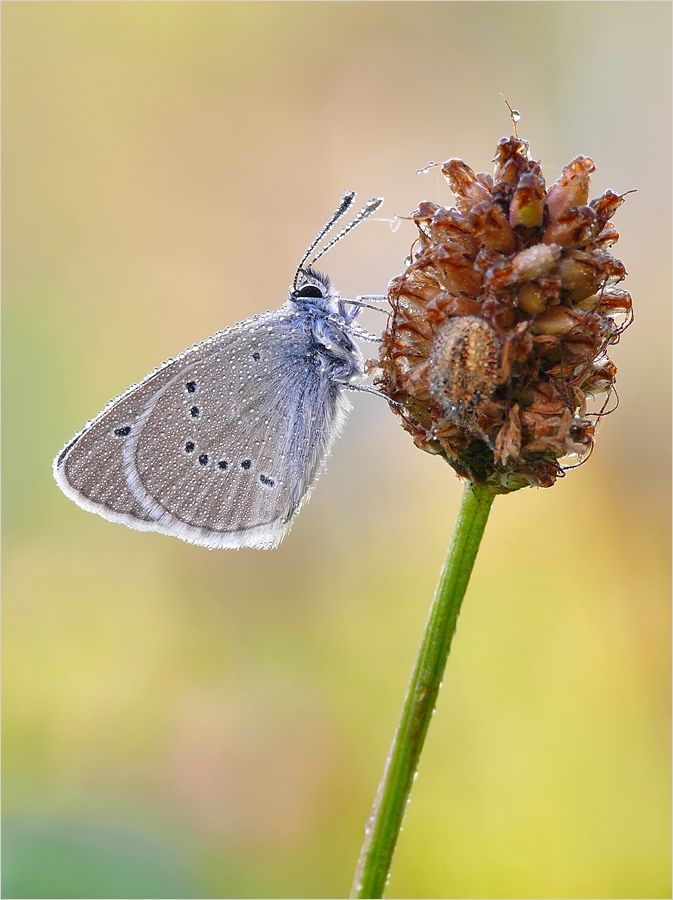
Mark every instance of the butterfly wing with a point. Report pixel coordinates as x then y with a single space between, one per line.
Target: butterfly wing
218 447
89 469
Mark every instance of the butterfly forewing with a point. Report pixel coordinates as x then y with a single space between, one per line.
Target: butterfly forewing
89 469
208 448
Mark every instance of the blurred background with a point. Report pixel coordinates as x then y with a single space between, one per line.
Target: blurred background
181 722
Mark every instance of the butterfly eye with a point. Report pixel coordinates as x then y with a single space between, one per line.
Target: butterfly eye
309 290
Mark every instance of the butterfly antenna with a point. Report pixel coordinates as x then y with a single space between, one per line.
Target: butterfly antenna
341 210
370 207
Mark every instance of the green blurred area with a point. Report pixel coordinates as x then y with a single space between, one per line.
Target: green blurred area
179 722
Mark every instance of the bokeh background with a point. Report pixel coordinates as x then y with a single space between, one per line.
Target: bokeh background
186 723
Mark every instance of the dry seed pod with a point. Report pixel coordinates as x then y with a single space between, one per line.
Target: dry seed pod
501 322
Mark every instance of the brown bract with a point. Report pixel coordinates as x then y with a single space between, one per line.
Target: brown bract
500 327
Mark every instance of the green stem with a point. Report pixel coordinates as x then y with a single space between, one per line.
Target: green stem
392 796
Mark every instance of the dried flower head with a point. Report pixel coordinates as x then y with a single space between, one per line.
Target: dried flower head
502 320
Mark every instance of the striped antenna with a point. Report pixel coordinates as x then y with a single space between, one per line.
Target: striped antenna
370 207
341 210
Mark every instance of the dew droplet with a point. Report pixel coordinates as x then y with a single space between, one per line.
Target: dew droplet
426 169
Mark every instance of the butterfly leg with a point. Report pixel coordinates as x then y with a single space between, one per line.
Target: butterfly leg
365 389
360 303
357 331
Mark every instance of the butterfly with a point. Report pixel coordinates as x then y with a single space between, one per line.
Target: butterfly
221 446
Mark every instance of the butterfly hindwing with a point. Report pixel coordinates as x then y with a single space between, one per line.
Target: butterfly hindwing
225 453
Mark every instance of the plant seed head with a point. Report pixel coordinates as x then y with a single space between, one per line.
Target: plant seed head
502 319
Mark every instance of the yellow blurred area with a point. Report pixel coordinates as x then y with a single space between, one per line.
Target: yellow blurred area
186 723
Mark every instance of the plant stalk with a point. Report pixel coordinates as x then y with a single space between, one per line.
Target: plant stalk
383 826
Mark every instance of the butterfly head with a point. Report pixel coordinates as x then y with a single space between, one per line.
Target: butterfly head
314 289
311 288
